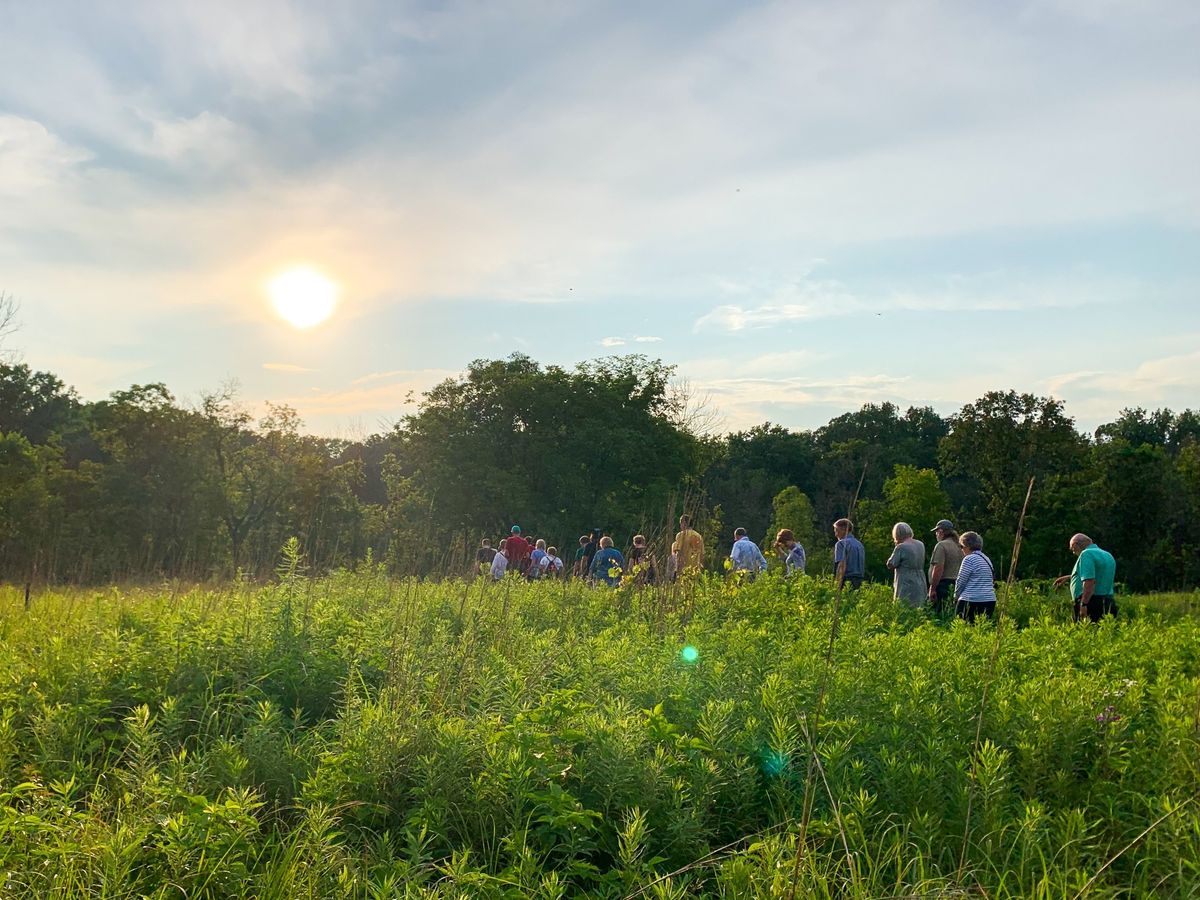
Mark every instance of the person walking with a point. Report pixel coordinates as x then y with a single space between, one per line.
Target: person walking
849 556
484 556
500 561
580 568
608 564
976 584
791 551
745 555
590 549
551 564
907 563
944 563
535 559
641 561
691 548
1091 579
518 550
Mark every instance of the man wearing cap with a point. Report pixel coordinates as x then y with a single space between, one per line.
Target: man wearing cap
1091 579
518 551
944 564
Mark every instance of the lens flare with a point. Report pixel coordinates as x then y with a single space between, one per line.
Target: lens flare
689 654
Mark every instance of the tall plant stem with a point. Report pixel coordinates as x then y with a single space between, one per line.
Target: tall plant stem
987 681
826 676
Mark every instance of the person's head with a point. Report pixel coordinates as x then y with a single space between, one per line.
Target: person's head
739 533
504 544
552 552
970 542
843 527
901 532
597 533
606 543
944 530
1079 543
583 539
785 538
685 522
639 540
516 529
541 545
486 542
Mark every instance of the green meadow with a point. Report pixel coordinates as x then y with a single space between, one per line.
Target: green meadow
354 735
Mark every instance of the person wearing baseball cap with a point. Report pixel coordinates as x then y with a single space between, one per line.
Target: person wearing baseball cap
518 551
944 563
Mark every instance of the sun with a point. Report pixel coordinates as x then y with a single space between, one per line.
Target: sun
303 297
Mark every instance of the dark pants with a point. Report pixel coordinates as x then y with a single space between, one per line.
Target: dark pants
942 593
1099 606
853 582
968 610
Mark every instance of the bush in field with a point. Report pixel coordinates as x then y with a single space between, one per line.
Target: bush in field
361 737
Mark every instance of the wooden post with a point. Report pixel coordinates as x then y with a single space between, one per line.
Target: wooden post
27 586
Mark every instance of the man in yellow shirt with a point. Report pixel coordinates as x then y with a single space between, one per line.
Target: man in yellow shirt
691 547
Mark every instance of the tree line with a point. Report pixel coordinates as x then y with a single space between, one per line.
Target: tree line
142 485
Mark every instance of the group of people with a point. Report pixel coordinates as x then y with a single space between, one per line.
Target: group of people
958 568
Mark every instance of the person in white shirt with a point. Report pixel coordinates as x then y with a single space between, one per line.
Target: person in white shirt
500 562
975 588
745 554
551 564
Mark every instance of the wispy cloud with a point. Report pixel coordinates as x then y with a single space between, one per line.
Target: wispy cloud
802 300
377 376
612 342
647 339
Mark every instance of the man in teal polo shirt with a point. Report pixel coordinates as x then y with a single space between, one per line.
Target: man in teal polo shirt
1091 579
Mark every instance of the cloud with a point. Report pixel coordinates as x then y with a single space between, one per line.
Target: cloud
31 157
384 401
612 342
1099 394
285 367
376 376
801 300
647 339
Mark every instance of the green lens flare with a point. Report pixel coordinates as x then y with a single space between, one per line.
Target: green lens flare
690 654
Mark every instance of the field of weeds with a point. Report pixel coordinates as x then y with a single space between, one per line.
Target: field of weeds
355 736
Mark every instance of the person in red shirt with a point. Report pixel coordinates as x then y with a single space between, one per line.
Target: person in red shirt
518 551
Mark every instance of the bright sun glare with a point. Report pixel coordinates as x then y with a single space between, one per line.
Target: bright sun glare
304 297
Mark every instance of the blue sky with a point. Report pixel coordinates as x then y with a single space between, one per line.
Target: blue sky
804 206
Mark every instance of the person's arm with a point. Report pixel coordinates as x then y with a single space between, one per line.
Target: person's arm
966 574
935 575
839 559
1089 588
1087 577
1061 580
801 559
762 560
893 562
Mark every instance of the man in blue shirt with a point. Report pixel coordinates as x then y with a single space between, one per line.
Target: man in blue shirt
1091 579
849 556
745 554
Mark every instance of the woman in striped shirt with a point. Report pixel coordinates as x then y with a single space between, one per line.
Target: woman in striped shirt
975 589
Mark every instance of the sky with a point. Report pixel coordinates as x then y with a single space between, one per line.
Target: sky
803 206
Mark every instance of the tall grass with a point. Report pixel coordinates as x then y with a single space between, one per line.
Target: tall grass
354 736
